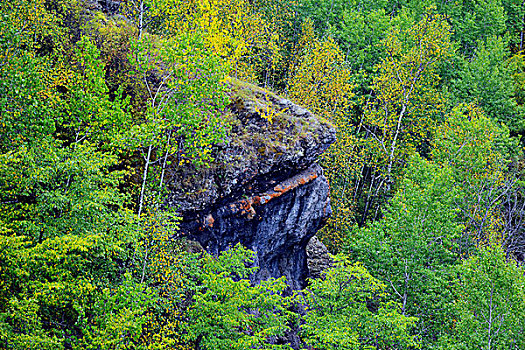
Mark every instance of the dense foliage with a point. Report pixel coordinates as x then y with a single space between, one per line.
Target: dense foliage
426 176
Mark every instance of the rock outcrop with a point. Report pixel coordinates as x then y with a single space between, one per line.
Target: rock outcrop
264 189
317 257
107 6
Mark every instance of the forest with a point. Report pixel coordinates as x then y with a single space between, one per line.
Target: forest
100 99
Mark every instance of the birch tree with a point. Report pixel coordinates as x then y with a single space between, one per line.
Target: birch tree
398 120
490 303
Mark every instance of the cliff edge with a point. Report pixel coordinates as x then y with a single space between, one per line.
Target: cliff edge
264 188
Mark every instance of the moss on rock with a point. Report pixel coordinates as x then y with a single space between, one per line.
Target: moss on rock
258 152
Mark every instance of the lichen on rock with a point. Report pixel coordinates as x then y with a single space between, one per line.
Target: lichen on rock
263 188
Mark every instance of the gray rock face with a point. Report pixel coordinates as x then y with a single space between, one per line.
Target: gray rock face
107 6
256 155
317 257
264 189
276 225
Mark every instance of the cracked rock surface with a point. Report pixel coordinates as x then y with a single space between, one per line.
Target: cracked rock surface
264 189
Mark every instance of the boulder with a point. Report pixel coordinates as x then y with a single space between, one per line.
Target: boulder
317 257
264 188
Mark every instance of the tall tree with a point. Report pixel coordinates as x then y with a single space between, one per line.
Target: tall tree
487 79
490 303
475 22
321 81
340 314
412 248
399 118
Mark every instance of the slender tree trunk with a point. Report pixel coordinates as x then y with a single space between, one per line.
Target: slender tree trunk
144 180
489 343
165 160
141 19
522 28
405 292
393 147
144 264
368 199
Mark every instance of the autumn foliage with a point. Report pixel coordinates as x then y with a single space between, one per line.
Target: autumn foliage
98 99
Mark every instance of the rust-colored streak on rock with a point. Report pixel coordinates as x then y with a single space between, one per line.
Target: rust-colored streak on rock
295 181
251 213
245 206
209 221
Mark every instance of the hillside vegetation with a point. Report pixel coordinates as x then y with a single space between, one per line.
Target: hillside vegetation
101 100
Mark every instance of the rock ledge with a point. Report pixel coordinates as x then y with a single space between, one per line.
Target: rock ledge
264 189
